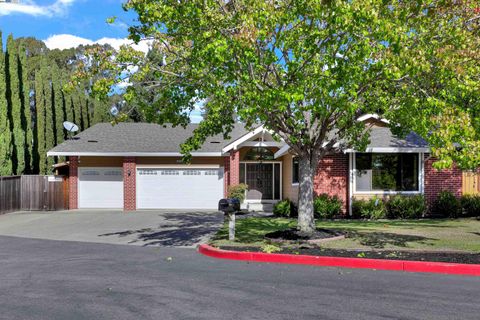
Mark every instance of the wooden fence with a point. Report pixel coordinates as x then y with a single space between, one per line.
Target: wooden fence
471 182
33 193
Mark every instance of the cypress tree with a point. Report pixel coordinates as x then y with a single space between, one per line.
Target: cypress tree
40 120
15 96
26 115
49 117
5 134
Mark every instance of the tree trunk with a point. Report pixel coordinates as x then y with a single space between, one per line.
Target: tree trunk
308 168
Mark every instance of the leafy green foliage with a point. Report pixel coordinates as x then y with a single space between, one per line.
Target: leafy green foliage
303 68
373 208
285 208
237 191
406 207
270 248
470 205
327 207
446 205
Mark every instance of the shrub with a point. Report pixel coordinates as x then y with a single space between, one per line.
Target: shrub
406 207
470 205
447 205
369 209
285 208
327 207
237 191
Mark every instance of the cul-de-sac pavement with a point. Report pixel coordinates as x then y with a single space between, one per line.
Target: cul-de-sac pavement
98 269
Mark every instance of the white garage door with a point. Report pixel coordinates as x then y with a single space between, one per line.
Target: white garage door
100 188
163 188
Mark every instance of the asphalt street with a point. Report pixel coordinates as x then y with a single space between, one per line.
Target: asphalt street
49 279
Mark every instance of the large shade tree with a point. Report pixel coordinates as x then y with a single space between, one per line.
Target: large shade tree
306 70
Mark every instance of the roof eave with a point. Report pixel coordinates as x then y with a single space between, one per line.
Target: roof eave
130 154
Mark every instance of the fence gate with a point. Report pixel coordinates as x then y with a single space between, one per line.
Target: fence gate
33 193
471 182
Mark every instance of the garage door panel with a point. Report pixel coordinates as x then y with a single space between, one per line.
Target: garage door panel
179 188
100 188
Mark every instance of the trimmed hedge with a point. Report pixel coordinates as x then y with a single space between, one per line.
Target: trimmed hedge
470 205
327 207
406 207
285 208
446 205
369 209
237 191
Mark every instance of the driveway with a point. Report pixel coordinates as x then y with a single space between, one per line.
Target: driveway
142 228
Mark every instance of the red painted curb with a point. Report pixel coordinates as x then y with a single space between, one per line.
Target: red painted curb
378 264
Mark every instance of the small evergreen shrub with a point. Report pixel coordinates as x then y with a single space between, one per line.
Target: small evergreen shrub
237 191
285 208
447 205
406 207
327 207
369 209
470 205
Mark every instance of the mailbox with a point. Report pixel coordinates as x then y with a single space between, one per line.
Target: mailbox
229 205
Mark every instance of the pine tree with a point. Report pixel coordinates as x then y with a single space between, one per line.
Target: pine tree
5 135
16 113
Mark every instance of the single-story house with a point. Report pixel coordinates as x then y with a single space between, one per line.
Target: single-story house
138 166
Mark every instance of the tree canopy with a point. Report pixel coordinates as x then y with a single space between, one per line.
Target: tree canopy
307 70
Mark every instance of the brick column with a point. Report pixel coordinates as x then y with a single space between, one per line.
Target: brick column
129 184
440 180
226 175
73 183
234 167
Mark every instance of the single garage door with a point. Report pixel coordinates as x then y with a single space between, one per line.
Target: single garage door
100 188
165 188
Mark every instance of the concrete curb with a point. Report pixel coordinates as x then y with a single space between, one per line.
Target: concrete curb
377 264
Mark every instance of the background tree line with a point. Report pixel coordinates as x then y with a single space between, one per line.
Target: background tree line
34 104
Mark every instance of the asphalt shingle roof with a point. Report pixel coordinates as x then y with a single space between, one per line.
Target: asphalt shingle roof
141 137
154 138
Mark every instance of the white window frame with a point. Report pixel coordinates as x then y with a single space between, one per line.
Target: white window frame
421 178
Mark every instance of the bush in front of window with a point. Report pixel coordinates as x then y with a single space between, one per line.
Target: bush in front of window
406 207
327 207
446 205
470 205
285 208
373 209
237 192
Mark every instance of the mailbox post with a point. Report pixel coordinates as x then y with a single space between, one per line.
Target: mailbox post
230 207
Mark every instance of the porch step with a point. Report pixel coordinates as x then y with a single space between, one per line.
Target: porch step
258 207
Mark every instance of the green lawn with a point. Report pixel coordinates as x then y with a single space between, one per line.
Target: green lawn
438 234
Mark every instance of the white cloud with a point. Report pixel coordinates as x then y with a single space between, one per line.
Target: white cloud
28 7
67 41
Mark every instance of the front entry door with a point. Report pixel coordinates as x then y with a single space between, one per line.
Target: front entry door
260 181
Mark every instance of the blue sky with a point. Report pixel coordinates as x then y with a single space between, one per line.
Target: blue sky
68 23
82 18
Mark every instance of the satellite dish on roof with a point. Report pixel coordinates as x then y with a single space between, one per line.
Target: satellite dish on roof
114 111
70 126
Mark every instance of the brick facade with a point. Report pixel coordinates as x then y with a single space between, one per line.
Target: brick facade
332 178
226 176
73 183
439 180
129 184
234 167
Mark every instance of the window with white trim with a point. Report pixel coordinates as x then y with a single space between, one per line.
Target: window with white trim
387 172
295 170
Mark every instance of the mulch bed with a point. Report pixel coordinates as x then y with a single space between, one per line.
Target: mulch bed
296 235
450 257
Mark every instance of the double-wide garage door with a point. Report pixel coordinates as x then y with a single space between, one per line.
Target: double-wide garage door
167 188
